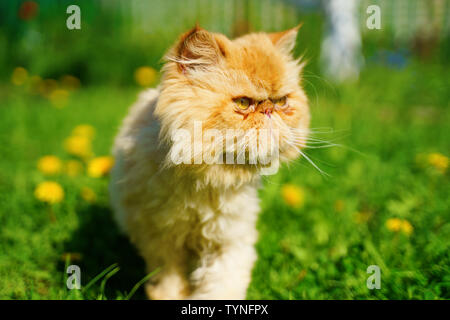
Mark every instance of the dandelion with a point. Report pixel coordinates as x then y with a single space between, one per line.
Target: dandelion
49 165
407 227
145 76
88 195
438 161
78 146
293 195
73 168
49 191
19 76
59 98
100 166
394 224
84 130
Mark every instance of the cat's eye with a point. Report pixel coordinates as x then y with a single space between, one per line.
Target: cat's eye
242 103
281 102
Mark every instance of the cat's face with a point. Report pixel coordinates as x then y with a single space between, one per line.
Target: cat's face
250 85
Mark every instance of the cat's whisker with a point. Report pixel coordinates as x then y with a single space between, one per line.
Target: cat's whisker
311 137
303 138
313 164
307 140
309 74
308 159
319 147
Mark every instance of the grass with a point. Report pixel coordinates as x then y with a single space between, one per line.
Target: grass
320 250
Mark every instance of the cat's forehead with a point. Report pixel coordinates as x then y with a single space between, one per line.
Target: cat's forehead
256 56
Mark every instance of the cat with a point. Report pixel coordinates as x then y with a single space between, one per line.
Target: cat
195 221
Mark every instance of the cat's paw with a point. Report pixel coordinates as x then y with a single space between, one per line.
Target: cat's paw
169 288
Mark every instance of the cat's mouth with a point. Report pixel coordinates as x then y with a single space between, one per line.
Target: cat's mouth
267 113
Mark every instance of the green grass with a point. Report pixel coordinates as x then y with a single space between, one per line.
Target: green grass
318 251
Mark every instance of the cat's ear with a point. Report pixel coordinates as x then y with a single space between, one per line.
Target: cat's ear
198 48
285 40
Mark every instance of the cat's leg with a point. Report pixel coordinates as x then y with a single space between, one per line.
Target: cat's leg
160 253
224 274
171 282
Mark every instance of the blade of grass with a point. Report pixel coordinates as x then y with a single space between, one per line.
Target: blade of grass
142 281
103 284
99 276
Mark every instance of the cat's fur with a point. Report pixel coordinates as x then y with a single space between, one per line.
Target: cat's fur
197 222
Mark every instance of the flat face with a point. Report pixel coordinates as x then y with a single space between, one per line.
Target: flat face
249 83
256 70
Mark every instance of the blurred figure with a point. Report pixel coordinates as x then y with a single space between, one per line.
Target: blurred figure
341 56
241 23
429 29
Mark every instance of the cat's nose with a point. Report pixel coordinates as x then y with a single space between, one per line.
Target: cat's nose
265 106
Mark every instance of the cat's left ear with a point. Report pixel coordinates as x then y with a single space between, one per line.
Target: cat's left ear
285 40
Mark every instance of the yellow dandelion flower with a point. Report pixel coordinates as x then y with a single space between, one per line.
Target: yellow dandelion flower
100 166
70 82
78 146
293 195
145 76
84 130
19 76
88 195
73 168
49 191
59 98
49 165
439 161
406 227
394 224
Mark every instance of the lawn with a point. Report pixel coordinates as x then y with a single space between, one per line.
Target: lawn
383 198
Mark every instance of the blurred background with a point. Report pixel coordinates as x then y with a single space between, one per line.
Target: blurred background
380 108
119 36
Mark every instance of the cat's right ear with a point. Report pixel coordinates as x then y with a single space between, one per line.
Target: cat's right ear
285 40
198 49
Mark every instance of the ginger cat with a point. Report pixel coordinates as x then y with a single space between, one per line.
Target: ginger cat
195 219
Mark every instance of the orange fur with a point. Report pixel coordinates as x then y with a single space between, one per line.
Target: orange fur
203 215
